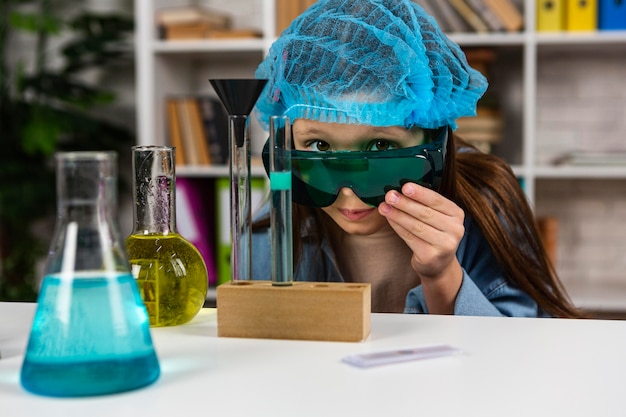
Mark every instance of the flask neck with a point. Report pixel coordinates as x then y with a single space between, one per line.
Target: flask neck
86 234
86 179
154 190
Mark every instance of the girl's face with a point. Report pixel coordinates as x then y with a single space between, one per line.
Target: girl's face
348 211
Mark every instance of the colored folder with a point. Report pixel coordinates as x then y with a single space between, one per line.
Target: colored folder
192 213
612 15
581 15
550 15
224 236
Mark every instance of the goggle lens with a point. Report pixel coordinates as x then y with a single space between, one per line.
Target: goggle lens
317 177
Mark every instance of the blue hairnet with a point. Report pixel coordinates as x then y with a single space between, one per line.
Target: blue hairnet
372 62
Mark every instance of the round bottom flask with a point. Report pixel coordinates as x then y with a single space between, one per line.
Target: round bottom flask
169 270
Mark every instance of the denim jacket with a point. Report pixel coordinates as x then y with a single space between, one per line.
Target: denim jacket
484 290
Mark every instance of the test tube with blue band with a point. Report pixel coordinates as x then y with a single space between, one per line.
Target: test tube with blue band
280 209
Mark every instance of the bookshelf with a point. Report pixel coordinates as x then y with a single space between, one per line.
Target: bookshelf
184 67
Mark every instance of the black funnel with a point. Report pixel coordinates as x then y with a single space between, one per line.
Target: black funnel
238 95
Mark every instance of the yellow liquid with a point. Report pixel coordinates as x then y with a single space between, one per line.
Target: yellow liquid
171 276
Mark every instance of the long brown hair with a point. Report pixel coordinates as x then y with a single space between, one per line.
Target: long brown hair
489 192
487 189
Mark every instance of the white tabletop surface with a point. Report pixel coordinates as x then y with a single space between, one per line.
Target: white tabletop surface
509 367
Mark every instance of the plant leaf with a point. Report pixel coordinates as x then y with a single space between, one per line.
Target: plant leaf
35 22
40 133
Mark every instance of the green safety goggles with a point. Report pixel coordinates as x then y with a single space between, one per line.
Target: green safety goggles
317 177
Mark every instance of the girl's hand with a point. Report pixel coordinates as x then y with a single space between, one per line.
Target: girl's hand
432 227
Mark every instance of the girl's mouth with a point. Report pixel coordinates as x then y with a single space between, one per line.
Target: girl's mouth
356 214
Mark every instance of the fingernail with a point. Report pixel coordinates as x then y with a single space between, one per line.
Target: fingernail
385 208
393 197
409 190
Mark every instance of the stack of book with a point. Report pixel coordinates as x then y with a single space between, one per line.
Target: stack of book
195 22
613 158
487 127
576 15
475 15
482 131
198 128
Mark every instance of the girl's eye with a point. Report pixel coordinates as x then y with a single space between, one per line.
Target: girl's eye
381 145
318 146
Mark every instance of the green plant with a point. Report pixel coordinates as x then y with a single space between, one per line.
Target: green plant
49 104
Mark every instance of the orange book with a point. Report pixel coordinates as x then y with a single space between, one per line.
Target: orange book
286 11
305 4
197 130
192 15
175 134
184 32
549 232
470 16
511 17
189 144
234 33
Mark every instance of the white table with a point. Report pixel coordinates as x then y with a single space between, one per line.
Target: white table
509 367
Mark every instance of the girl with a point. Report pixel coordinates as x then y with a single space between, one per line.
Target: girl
384 192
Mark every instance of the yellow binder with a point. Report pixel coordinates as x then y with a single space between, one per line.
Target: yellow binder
550 15
582 15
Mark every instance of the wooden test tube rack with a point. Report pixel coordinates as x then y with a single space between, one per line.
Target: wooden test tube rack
329 311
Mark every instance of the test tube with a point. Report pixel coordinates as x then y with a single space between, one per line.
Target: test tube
238 97
280 209
241 207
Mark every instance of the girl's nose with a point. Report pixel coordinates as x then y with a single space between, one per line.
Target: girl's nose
347 191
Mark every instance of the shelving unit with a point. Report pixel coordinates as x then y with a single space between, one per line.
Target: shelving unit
169 67
184 67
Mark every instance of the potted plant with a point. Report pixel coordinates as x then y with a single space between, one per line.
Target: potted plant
49 104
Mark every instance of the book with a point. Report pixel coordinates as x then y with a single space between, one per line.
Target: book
470 16
483 130
204 31
174 129
548 227
431 8
613 158
492 20
197 130
550 15
305 4
581 15
184 32
222 219
189 22
286 11
487 125
192 15
193 210
186 133
453 19
612 15
510 16
233 33
215 120
480 58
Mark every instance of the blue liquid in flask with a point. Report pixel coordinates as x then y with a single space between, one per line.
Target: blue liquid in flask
90 336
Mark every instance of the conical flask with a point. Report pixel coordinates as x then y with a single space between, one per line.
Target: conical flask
90 334
170 271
